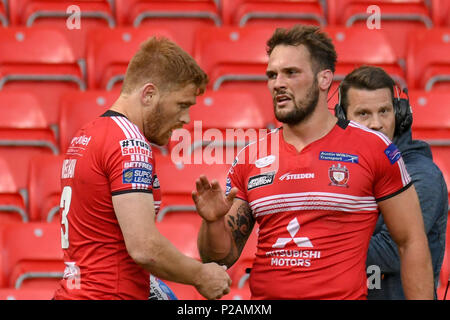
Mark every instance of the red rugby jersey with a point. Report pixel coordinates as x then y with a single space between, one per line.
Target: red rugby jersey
316 209
107 157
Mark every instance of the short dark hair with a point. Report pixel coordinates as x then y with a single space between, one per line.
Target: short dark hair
319 45
164 63
365 77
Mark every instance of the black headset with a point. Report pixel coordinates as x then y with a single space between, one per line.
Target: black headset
402 111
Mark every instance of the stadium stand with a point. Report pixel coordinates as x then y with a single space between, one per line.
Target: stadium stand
44 188
397 17
428 67
55 13
23 123
187 14
280 13
177 181
216 114
377 50
13 207
110 50
431 111
32 255
42 61
24 133
216 50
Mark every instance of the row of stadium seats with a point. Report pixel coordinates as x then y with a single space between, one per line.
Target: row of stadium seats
225 12
50 62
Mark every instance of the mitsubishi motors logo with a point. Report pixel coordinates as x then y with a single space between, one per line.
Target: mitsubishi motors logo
293 228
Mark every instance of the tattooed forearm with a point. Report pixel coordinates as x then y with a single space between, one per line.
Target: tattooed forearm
241 226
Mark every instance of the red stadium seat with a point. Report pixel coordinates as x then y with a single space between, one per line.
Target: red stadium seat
12 204
26 294
32 255
110 50
182 235
44 187
177 183
24 132
376 50
280 13
78 108
73 18
231 108
186 15
55 13
42 61
18 159
440 13
428 65
397 17
234 57
231 117
431 113
23 123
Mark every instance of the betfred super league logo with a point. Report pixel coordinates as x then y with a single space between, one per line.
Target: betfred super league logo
338 175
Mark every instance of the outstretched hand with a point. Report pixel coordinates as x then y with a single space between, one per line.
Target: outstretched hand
210 200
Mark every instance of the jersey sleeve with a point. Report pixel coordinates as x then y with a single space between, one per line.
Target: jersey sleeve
236 178
391 176
129 164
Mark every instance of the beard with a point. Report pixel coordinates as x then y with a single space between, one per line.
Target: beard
302 109
152 128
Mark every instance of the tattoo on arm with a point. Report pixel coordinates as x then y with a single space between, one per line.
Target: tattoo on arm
241 226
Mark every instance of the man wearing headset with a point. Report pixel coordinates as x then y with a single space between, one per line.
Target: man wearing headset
367 97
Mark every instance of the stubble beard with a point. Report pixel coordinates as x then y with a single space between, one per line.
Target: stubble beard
302 110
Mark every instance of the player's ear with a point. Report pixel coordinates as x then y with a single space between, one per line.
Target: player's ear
324 79
149 94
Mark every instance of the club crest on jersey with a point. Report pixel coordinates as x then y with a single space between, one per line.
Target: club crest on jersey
260 180
338 175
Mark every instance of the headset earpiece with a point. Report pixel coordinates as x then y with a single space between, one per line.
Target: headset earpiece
338 110
403 114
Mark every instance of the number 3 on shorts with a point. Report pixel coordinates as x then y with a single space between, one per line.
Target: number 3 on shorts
66 197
